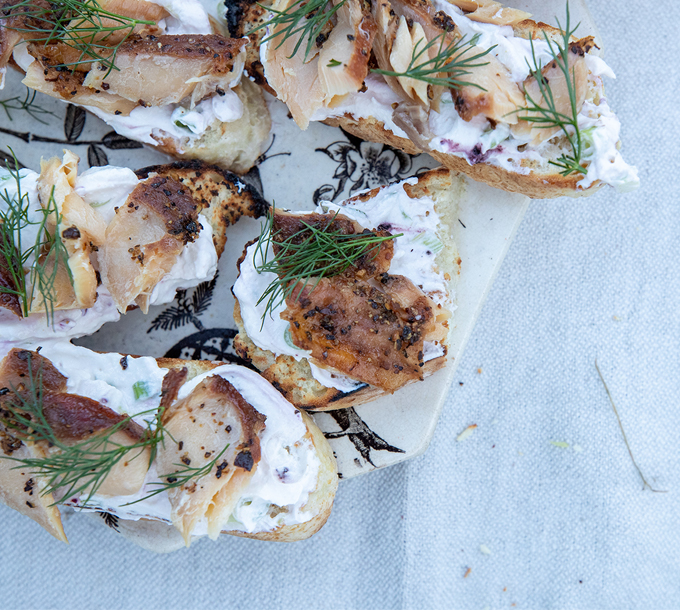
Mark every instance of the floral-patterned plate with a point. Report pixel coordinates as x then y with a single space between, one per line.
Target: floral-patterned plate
298 170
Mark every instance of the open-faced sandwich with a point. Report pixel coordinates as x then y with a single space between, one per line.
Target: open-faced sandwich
206 447
482 88
354 300
78 250
162 73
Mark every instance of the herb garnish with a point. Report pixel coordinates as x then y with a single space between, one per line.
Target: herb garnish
28 104
452 59
71 469
311 252
48 250
309 17
545 115
95 33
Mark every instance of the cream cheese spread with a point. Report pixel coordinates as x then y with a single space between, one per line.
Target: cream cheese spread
129 386
153 123
414 257
186 17
196 264
65 324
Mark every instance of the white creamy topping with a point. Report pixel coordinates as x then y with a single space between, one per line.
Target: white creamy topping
217 9
66 324
106 188
131 387
376 102
600 130
228 107
598 67
414 257
285 476
332 379
268 332
186 17
153 123
197 263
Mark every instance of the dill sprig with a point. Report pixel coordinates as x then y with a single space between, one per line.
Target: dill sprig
70 469
448 68
311 252
180 477
48 250
95 33
546 115
27 104
307 17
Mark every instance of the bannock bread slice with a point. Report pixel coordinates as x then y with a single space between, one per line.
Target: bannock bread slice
173 83
233 447
293 377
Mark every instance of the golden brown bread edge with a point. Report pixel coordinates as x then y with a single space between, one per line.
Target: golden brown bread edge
533 185
223 194
245 16
294 379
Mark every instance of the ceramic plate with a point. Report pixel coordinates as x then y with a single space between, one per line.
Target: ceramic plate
297 170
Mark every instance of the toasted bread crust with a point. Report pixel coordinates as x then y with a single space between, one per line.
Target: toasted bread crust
243 16
533 185
225 198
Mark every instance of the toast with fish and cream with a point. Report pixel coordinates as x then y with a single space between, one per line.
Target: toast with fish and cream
126 240
250 463
477 127
173 82
382 323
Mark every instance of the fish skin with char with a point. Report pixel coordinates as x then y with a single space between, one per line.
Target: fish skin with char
20 365
159 70
372 331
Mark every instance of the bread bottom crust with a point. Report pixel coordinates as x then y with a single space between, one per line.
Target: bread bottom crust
534 185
